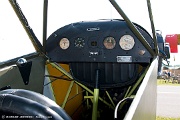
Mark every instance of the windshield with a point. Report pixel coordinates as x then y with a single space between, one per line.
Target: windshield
15 42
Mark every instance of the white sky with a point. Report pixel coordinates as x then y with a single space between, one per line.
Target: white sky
14 41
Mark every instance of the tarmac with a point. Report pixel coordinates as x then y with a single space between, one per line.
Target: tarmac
168 101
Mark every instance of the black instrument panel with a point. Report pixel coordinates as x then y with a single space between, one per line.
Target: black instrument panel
98 41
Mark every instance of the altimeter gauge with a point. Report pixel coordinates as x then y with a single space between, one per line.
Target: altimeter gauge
109 43
64 43
126 42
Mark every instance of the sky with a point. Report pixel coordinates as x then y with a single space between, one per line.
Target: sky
14 42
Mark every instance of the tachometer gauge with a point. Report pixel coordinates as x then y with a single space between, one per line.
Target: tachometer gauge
109 43
126 42
64 43
79 42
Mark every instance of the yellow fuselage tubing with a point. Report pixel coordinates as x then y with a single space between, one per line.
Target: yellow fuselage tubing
60 89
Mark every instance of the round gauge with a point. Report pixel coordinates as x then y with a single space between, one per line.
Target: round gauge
109 43
64 43
126 42
79 42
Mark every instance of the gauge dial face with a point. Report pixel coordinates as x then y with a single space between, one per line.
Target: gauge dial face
64 43
126 42
109 43
79 43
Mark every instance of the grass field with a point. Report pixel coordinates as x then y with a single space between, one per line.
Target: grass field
167 82
166 118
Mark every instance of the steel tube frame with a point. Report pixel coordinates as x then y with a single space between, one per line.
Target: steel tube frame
58 67
95 104
152 27
45 13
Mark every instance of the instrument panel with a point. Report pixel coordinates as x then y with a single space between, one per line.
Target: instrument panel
98 41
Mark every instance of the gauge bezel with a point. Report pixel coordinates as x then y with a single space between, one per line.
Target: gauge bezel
112 43
66 43
122 42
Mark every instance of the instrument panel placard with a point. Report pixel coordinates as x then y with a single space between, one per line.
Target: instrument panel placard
124 58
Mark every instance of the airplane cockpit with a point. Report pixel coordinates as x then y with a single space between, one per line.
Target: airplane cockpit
97 69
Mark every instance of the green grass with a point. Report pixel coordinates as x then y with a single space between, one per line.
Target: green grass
166 118
166 82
